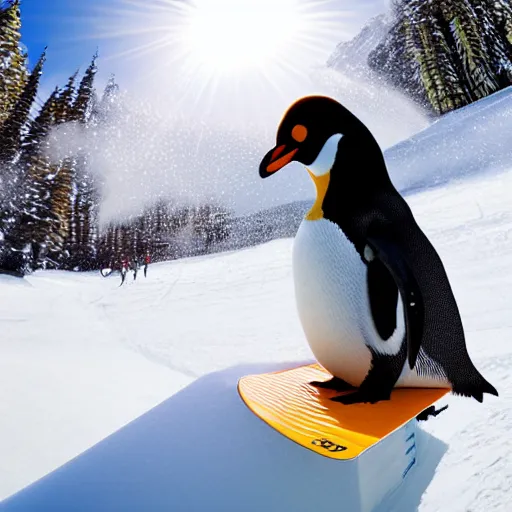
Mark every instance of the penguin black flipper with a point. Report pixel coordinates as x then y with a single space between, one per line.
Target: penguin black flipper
391 256
383 297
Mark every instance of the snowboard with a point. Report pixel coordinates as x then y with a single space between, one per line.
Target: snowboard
305 414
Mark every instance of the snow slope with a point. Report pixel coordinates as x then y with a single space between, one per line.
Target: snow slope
81 358
65 388
219 457
65 380
466 142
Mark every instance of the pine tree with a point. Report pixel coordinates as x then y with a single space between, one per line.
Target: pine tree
11 129
450 90
501 13
110 95
65 101
427 57
107 254
81 110
63 188
86 199
60 206
36 146
33 217
17 212
210 225
13 72
456 51
492 16
38 175
39 128
472 51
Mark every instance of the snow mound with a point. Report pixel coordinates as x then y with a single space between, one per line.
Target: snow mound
203 449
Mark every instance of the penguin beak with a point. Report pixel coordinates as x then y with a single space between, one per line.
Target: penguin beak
276 159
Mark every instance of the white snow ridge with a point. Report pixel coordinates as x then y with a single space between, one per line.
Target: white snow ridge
125 399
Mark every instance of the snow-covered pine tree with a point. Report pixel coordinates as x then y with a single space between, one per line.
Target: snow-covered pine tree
451 87
11 129
143 239
494 18
107 247
63 189
40 127
17 211
104 109
501 13
461 47
471 47
38 220
82 106
147 229
426 44
119 242
66 100
210 225
60 204
13 72
86 200
110 249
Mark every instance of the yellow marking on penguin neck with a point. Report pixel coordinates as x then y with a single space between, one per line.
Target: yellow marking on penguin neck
321 184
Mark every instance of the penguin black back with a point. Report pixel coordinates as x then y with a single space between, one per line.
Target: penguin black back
363 202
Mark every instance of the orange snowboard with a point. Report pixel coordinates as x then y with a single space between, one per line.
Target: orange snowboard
287 402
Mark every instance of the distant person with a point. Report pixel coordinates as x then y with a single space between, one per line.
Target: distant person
147 261
135 267
124 269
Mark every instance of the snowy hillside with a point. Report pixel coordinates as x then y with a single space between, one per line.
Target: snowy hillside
466 142
82 357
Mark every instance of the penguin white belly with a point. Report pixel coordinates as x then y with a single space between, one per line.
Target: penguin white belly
334 308
330 291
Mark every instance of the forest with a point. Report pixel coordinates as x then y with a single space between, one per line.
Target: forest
49 210
446 53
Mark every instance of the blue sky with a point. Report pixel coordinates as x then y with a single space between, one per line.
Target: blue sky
62 25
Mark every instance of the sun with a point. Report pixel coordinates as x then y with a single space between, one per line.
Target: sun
240 36
219 56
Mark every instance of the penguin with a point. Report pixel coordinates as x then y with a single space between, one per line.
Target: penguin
372 294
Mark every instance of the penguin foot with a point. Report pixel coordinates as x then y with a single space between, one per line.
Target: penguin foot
430 411
361 397
335 384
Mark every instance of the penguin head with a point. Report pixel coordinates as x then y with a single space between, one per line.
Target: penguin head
309 133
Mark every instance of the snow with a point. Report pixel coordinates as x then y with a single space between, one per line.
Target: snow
166 460
65 380
153 364
464 143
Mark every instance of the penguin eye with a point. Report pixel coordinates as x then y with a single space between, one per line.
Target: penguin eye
299 133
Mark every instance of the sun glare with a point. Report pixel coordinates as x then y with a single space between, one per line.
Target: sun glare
219 55
236 36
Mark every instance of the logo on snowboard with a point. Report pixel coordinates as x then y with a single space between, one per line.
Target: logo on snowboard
329 445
